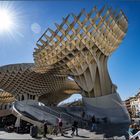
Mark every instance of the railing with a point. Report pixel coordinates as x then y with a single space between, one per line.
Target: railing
42 112
27 117
64 116
37 113
48 109
72 117
67 117
51 111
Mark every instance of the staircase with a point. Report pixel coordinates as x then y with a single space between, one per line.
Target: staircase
83 123
38 112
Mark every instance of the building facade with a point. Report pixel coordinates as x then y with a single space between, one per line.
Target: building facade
133 106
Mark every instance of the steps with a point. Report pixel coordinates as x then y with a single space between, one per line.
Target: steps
64 111
38 112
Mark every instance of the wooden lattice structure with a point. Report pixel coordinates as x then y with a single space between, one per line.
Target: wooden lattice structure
6 97
21 80
80 47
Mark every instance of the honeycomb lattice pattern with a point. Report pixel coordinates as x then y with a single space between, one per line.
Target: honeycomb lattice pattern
80 47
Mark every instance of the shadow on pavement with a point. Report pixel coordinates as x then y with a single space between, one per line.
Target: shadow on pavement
82 136
67 136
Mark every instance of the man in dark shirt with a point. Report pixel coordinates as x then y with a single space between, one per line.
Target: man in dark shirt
93 119
45 128
75 128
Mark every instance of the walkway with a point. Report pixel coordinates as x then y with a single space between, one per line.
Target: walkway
117 132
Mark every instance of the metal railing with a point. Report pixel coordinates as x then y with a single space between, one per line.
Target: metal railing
45 111
35 112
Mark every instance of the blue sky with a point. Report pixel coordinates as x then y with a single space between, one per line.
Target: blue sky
18 45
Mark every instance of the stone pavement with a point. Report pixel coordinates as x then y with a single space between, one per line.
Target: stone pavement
117 132
4 135
83 134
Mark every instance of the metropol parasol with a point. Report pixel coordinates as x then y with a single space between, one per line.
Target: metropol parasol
79 48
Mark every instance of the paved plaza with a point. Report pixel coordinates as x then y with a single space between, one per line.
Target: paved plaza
110 132
83 134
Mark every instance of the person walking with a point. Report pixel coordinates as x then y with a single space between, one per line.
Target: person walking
60 125
74 128
45 129
93 120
